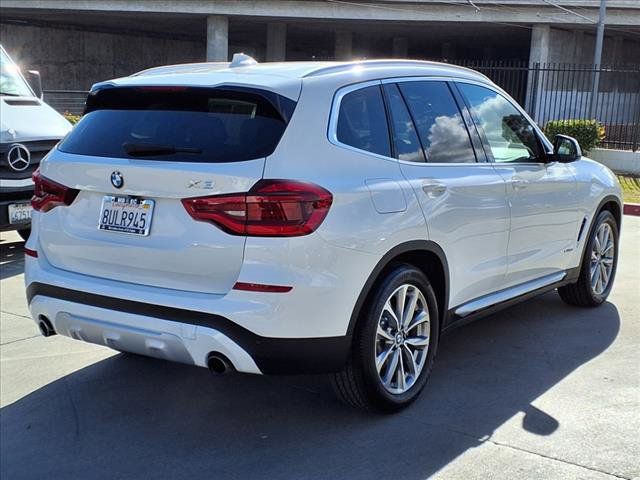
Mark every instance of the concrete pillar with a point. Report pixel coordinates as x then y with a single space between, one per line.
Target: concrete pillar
540 40
617 52
538 54
217 38
400 47
578 46
276 42
344 45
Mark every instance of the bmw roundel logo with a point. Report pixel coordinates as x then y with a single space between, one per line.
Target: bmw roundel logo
117 180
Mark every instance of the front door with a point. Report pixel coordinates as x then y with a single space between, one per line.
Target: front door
541 194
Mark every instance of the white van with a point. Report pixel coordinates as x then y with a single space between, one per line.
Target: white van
29 129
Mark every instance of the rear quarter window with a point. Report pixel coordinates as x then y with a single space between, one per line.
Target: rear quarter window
180 124
362 121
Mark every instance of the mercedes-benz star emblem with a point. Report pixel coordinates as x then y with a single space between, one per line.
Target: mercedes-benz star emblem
18 157
117 180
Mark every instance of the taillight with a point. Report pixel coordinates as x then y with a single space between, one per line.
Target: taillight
48 194
272 208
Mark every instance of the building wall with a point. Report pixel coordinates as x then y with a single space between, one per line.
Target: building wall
577 46
74 59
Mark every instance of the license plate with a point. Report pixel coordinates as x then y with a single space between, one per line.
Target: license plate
126 215
19 212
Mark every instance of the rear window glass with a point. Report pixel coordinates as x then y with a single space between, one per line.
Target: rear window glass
180 124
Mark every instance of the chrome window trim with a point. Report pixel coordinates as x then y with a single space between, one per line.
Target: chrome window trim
332 131
438 79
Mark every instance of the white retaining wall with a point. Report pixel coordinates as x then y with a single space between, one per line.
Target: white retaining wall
620 161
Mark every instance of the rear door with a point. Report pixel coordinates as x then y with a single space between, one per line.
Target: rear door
462 196
542 194
133 157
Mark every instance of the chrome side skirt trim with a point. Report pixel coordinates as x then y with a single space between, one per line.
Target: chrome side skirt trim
508 293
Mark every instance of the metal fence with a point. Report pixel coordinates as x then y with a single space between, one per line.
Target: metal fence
562 91
551 91
70 101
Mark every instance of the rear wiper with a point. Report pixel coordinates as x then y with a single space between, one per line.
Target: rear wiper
150 150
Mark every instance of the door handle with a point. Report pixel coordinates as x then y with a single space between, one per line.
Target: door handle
433 188
519 183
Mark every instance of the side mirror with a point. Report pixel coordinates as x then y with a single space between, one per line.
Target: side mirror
33 77
566 149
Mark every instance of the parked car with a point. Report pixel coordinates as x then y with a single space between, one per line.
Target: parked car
310 217
30 128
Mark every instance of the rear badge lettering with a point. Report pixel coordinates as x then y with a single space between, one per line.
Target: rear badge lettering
201 184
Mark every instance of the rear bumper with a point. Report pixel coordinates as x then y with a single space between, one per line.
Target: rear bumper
305 330
180 335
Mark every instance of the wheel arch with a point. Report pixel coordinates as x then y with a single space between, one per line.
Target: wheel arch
426 255
610 203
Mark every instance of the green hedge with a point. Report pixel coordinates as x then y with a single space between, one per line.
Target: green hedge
71 117
588 133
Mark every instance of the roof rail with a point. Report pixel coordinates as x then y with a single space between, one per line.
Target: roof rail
387 63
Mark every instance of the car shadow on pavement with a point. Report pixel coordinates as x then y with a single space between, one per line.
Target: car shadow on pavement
134 417
11 259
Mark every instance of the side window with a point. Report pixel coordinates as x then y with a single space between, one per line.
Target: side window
511 137
362 121
403 132
444 137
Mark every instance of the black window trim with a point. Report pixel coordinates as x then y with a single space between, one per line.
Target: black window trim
479 155
477 140
545 146
392 133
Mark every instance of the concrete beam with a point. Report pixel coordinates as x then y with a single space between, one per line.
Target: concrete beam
217 38
619 12
276 42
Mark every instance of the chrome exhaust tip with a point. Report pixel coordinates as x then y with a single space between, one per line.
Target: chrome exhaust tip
45 326
219 364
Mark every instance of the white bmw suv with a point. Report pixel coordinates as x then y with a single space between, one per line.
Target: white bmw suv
310 217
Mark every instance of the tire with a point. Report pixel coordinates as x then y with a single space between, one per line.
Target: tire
583 293
24 233
360 384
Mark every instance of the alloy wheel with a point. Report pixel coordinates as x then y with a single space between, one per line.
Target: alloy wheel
402 339
602 258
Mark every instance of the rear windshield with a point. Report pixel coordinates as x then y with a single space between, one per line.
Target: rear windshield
180 124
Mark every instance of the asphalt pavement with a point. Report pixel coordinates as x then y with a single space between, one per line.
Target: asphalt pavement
540 391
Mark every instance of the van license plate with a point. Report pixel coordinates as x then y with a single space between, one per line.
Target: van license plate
19 213
126 215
